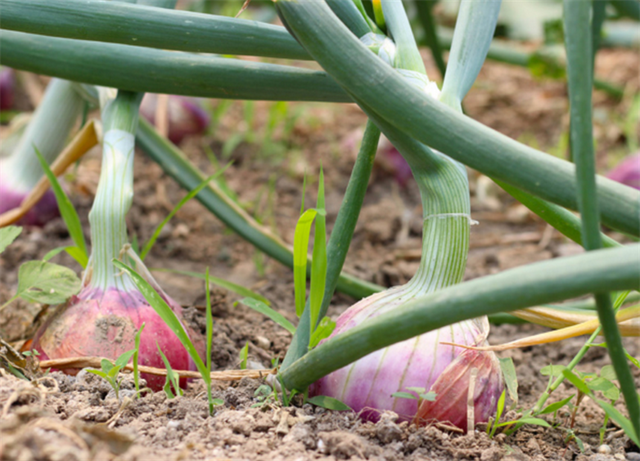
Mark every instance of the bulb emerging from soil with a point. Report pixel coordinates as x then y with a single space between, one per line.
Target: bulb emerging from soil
103 323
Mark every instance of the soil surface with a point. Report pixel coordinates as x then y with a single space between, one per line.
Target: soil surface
61 417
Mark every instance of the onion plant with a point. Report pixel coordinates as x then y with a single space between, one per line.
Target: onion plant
47 132
389 345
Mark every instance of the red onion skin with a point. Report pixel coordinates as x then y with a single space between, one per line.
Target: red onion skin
98 323
7 88
368 384
186 116
44 211
627 172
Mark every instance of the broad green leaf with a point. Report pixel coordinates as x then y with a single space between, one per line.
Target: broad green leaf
277 317
8 235
607 372
67 210
319 261
186 198
323 331
124 358
166 314
404 395
328 402
429 396
556 406
47 283
100 373
510 377
534 421
300 256
419 390
217 402
238 289
106 365
552 370
580 385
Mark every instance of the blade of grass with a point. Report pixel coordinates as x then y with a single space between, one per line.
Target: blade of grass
167 315
267 311
340 238
180 204
209 317
67 211
319 260
579 55
300 256
238 289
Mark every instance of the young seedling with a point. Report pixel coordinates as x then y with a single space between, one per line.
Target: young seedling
172 379
111 370
244 352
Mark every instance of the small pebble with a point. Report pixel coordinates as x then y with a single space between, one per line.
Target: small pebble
604 449
633 456
262 342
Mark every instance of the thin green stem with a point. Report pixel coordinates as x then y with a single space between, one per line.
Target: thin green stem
561 219
579 54
176 165
425 16
340 237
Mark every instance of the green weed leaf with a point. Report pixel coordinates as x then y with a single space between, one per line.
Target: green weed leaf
8 235
300 256
67 210
323 331
556 406
404 395
47 283
510 377
328 402
277 317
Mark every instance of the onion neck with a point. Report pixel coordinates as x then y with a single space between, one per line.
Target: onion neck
115 193
48 131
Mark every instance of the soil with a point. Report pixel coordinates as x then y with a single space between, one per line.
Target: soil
61 417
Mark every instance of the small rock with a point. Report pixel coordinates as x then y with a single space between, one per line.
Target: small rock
387 430
262 342
633 456
604 449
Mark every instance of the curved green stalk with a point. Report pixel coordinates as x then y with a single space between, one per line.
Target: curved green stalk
134 68
173 162
47 131
340 238
629 8
562 220
429 28
579 56
115 193
538 283
474 30
434 124
131 24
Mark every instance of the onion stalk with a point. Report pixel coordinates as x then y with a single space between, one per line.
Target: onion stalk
47 131
103 318
380 381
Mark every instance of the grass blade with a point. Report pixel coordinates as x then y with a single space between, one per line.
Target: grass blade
67 210
300 257
167 315
269 312
238 289
319 261
180 204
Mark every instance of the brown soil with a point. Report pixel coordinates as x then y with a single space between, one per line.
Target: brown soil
61 417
